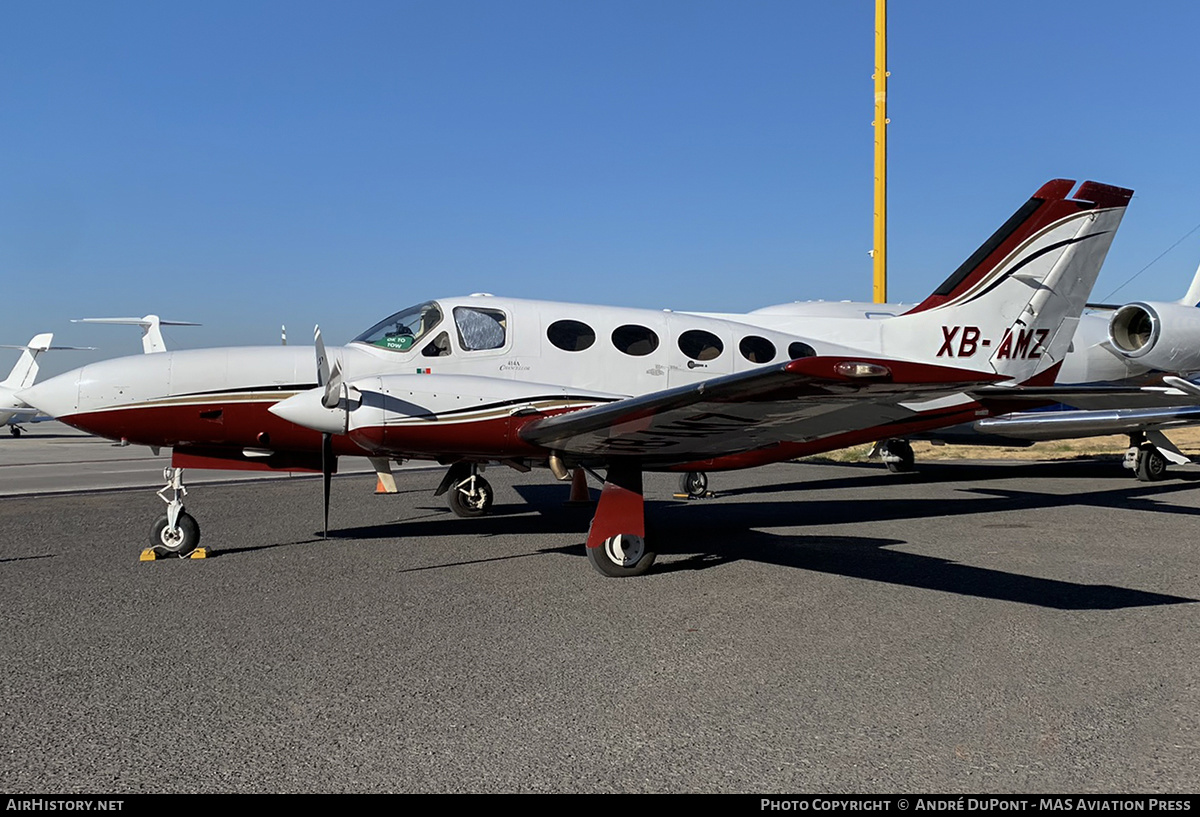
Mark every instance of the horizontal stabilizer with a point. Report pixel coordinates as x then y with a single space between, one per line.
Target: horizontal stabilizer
152 339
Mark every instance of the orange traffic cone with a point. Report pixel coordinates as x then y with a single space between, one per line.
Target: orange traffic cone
579 488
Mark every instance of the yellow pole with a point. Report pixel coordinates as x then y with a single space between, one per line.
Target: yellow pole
879 254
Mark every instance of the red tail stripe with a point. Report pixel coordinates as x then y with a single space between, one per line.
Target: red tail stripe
1053 205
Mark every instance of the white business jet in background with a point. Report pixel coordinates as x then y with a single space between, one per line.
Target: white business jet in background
1139 343
152 339
12 409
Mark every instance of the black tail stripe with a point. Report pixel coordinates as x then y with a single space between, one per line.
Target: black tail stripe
1031 259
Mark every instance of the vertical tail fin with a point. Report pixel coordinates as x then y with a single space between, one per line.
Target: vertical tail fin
25 372
1012 307
1192 297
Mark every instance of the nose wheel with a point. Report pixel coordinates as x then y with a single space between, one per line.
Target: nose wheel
175 533
178 540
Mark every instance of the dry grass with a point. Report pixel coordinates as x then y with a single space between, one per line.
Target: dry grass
1186 439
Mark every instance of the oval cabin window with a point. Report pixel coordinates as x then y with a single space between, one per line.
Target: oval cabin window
756 349
798 350
700 345
635 340
571 336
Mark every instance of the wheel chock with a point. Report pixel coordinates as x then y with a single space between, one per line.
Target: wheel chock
705 495
150 555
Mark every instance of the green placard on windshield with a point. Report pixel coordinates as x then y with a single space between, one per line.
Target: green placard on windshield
401 343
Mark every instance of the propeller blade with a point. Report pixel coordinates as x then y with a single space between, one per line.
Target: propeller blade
328 462
327 376
322 360
333 389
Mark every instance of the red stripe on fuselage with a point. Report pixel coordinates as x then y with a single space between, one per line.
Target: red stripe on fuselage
233 425
494 438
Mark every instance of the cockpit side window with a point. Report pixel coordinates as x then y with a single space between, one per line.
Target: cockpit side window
438 347
403 330
480 328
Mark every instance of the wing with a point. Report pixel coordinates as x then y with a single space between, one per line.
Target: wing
797 401
1063 425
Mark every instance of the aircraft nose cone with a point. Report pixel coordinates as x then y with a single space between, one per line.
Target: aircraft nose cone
305 409
58 396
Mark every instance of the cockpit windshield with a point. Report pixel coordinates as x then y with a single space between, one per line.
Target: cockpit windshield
403 330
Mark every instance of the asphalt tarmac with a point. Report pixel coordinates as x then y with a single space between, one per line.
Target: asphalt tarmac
51 457
813 628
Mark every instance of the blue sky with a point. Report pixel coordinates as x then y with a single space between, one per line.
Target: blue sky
253 164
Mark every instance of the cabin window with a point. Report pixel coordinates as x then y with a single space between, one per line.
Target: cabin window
571 336
798 350
700 345
756 349
635 340
401 331
480 328
438 347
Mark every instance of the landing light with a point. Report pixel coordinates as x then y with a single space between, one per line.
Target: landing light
856 368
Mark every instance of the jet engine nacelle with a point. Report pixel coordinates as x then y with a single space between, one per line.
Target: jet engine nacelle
1163 336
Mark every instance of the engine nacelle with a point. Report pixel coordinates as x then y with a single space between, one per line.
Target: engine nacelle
1161 336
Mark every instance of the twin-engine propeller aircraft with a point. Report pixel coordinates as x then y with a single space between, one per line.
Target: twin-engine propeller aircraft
474 380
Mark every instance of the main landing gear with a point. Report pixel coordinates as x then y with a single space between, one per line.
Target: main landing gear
175 533
616 543
897 455
1150 453
693 485
468 494
16 430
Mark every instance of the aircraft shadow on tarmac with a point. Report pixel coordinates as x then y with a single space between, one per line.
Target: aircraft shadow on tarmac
874 475
711 533
28 558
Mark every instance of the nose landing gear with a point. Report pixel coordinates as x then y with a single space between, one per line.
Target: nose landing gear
175 533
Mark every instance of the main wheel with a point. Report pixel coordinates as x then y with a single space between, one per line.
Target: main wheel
181 541
471 497
1151 464
898 456
694 484
13 430
622 555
